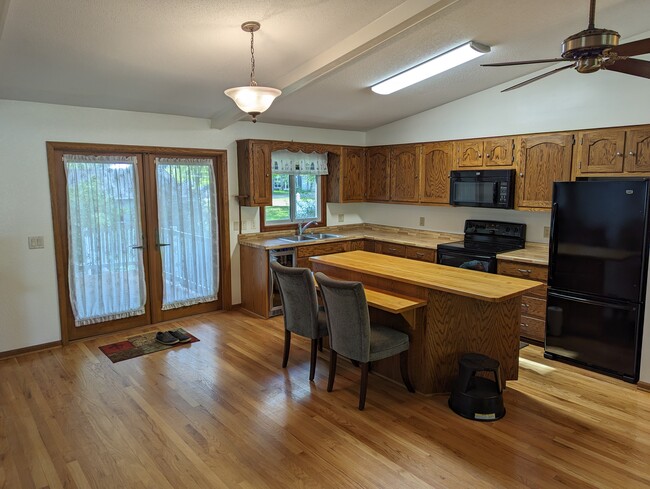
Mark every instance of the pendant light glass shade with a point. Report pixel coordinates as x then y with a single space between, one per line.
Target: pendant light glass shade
253 99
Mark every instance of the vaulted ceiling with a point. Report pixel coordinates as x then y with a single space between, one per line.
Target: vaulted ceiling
178 56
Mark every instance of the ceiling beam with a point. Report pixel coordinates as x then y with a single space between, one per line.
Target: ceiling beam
389 25
4 8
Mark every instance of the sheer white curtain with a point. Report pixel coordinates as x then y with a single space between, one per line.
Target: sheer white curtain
105 266
188 232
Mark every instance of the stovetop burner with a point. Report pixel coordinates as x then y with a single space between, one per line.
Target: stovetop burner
489 237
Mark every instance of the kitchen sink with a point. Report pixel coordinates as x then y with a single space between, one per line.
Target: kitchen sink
294 238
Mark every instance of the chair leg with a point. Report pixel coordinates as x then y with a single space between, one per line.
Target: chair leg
404 369
364 385
355 363
312 363
287 345
320 344
330 380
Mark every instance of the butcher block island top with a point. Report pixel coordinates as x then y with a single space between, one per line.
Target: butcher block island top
455 311
467 283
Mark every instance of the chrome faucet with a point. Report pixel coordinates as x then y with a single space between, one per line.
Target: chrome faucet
301 228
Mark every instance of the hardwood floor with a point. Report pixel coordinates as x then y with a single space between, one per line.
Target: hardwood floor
222 413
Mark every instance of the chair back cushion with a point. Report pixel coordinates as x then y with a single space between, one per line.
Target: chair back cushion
348 321
299 302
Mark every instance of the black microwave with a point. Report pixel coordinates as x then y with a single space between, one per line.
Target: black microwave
482 188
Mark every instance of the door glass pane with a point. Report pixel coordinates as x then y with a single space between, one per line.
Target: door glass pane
187 231
105 267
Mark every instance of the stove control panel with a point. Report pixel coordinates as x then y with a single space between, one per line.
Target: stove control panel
495 228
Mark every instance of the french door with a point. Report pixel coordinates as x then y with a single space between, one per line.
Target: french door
141 235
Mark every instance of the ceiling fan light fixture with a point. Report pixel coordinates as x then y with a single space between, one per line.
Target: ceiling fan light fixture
446 61
252 98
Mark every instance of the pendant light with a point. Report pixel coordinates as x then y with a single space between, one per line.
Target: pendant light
253 99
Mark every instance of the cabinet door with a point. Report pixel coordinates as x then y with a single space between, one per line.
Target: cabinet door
601 151
260 162
545 159
378 174
404 173
499 151
469 154
436 165
353 167
637 147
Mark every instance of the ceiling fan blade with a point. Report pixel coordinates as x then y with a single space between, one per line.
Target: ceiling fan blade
634 48
636 67
529 62
518 85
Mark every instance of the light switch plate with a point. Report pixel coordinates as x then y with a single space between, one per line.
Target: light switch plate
547 231
341 217
421 221
35 242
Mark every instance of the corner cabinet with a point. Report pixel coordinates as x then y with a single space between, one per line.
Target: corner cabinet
347 175
613 152
254 172
544 159
435 167
405 173
378 174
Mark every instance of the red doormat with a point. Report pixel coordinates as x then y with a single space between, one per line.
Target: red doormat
138 346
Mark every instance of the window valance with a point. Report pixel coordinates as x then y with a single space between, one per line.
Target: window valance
290 163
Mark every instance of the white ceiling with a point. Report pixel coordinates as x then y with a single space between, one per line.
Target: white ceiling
177 56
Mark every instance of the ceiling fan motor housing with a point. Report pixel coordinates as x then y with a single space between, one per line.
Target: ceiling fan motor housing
590 42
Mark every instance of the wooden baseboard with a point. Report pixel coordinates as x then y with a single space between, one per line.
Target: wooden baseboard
29 349
644 386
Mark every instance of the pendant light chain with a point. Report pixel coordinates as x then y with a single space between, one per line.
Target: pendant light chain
253 82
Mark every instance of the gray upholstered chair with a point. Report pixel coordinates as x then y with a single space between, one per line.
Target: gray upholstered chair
352 335
302 315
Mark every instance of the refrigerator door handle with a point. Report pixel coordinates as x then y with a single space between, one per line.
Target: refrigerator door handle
553 242
612 305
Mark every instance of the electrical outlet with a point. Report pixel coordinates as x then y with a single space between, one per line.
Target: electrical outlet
235 225
35 242
244 225
421 221
341 217
547 231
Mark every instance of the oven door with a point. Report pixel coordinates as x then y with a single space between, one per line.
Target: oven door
464 259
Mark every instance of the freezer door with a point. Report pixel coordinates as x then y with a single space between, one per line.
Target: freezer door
598 238
601 335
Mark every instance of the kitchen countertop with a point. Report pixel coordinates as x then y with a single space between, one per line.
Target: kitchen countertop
535 253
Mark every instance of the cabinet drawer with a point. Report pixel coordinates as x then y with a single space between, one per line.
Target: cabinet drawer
538 292
422 254
323 249
523 270
533 306
532 328
390 249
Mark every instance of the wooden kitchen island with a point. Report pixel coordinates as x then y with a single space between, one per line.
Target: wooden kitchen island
463 311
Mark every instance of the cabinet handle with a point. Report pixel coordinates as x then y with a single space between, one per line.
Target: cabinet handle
523 325
479 155
521 174
487 155
521 270
392 249
619 153
419 254
523 304
632 153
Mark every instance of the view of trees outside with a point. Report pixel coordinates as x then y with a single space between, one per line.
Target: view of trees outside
305 196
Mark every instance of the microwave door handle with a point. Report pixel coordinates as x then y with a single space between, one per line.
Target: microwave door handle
495 193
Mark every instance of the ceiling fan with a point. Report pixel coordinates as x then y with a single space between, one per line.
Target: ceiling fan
591 50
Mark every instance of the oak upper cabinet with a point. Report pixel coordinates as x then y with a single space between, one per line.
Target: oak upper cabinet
484 153
436 163
544 159
346 175
614 151
254 172
405 173
378 174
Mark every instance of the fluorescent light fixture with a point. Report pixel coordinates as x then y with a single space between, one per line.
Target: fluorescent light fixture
444 62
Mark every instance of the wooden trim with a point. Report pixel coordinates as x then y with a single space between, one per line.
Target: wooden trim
643 386
29 349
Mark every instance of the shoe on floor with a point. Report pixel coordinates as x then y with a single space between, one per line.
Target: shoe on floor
180 335
166 338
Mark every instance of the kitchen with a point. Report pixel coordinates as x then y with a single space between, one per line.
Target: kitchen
29 304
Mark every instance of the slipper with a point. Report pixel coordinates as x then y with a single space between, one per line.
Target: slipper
180 335
166 338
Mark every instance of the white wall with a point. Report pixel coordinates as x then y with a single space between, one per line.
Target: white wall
567 100
28 291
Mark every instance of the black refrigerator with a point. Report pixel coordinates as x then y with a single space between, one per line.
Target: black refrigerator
598 265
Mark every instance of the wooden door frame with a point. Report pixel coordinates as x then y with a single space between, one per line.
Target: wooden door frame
60 224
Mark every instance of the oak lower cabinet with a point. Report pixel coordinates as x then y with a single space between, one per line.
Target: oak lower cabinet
347 175
435 167
533 302
614 151
484 153
544 159
405 251
378 174
305 251
254 172
405 173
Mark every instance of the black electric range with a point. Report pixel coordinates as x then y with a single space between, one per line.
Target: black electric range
483 241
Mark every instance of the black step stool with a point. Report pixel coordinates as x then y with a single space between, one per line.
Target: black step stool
478 398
